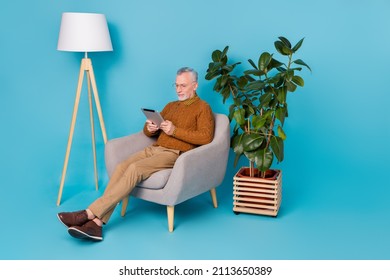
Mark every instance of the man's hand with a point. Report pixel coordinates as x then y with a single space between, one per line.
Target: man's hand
167 127
151 127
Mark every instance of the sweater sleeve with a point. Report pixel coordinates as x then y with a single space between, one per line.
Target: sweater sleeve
204 132
149 134
157 133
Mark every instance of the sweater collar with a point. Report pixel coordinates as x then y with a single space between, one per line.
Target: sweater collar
191 100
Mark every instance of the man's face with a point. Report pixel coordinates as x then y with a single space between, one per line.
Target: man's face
185 86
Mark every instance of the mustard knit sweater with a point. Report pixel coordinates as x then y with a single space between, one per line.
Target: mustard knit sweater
194 122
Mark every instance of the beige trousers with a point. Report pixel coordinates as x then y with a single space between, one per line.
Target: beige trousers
128 174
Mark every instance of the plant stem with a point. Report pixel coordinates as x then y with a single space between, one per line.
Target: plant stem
232 91
271 128
251 169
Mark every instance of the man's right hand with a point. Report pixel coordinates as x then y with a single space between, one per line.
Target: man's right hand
151 127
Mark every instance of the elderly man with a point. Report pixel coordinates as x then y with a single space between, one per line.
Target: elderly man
189 123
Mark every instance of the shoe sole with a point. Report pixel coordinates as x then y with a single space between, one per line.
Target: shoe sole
58 216
82 235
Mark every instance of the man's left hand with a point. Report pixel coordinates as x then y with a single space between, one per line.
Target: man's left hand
167 127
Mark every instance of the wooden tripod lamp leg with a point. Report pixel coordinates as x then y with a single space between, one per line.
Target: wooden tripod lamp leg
97 101
86 65
92 131
70 138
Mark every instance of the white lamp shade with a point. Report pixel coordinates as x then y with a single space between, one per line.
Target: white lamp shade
84 32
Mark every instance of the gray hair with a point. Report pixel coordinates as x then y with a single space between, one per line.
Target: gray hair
188 70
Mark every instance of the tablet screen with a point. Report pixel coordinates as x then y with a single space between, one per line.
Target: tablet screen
153 116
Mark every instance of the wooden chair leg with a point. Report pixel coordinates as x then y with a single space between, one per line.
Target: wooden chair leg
125 201
213 193
171 213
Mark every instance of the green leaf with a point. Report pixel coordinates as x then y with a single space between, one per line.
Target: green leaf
214 66
239 116
228 68
251 155
282 95
281 133
285 106
237 145
277 146
280 114
256 85
224 52
231 111
236 159
298 45
217 87
298 81
249 110
252 141
254 72
300 62
265 99
224 59
279 47
212 75
264 59
237 101
275 79
263 159
225 93
296 68
216 56
274 64
282 48
253 64
223 80
289 74
290 86
285 41
242 81
258 121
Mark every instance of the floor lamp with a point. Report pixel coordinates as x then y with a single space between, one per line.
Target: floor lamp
84 32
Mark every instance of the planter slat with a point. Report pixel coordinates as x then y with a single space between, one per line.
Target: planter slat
257 195
256 185
239 193
257 205
255 179
255 190
255 211
258 201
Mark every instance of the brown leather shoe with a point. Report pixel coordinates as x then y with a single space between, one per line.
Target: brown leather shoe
89 230
70 219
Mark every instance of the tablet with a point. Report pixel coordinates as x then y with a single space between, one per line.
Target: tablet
153 116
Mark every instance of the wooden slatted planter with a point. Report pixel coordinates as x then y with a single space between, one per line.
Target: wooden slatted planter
257 195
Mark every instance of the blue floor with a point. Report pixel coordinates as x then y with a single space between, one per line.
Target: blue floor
321 217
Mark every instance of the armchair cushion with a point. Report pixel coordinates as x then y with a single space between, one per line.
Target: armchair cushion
157 180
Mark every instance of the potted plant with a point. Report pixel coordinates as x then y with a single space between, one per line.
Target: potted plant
258 110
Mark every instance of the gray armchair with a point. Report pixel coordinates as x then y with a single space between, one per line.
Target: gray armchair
195 172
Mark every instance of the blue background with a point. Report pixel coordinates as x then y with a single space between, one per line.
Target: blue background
336 187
